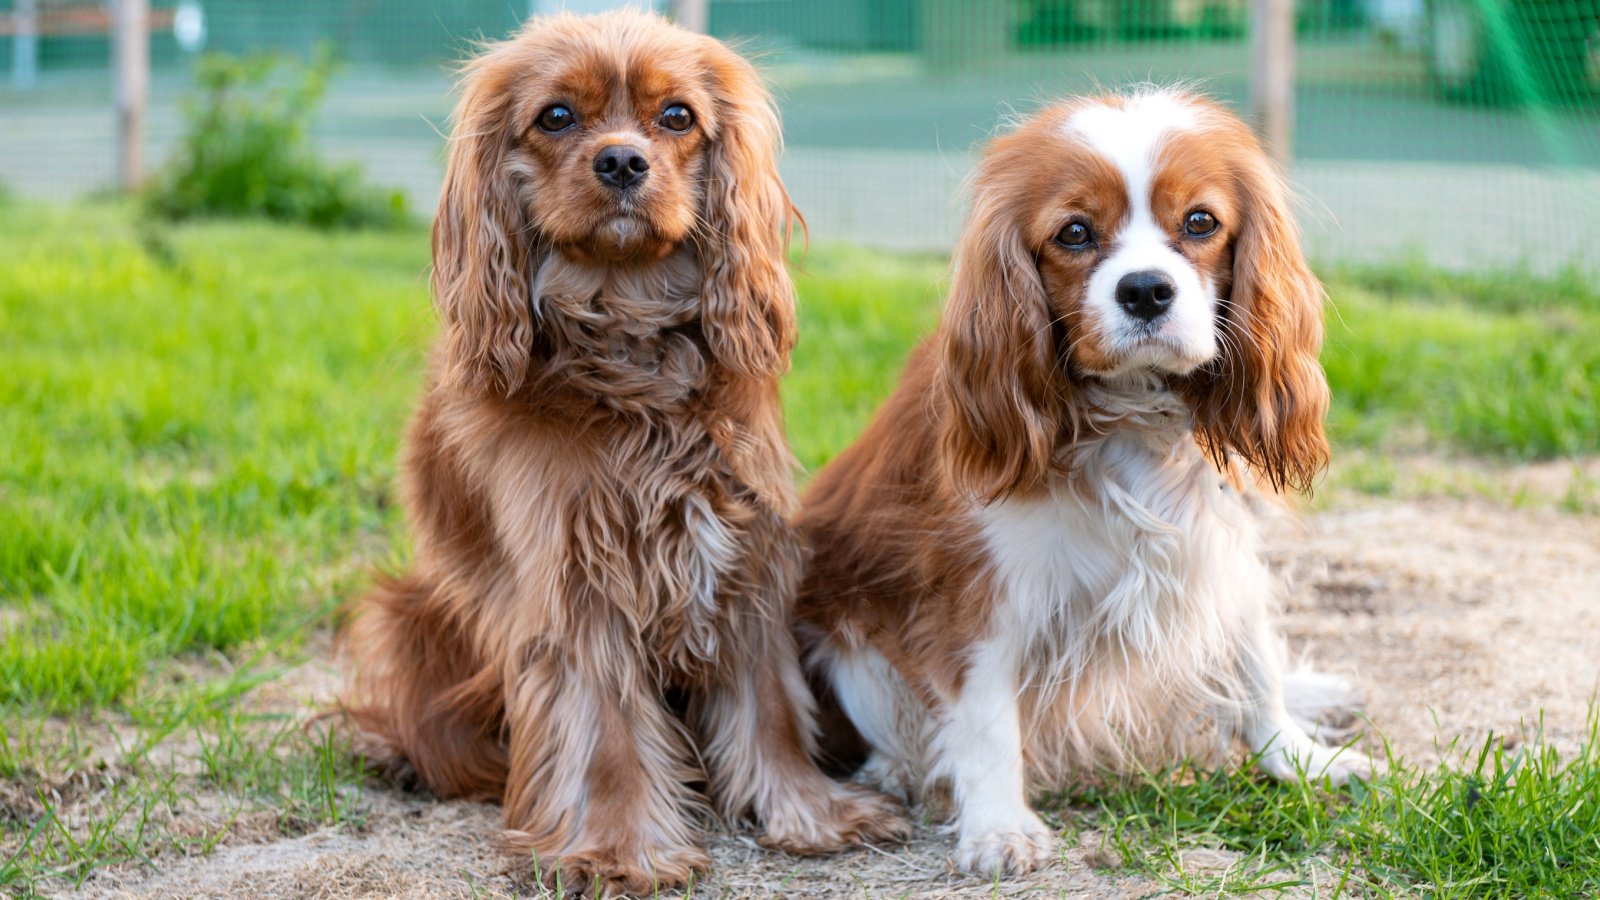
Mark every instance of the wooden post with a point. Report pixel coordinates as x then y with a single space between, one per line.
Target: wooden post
25 45
131 68
1272 84
695 15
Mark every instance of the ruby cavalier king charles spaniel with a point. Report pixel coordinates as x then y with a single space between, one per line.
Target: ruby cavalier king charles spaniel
596 627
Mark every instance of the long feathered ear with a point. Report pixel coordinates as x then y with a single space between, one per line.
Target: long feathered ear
1267 400
748 299
483 254
1001 382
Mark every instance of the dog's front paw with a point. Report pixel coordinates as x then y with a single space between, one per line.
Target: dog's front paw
1015 849
607 871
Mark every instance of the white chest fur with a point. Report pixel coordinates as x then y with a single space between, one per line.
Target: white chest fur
1137 531
1143 568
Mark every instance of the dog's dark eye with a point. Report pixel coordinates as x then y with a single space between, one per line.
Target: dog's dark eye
1075 236
677 117
1200 223
556 118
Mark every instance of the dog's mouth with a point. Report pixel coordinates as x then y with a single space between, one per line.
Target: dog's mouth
1154 349
623 231
624 236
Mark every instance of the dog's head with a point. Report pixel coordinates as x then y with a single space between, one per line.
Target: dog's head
613 140
1140 235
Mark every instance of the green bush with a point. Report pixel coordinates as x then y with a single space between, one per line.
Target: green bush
246 152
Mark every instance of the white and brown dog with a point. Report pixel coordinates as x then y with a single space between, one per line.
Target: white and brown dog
1037 560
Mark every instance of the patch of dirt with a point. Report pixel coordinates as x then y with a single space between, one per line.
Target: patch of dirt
1456 617
415 848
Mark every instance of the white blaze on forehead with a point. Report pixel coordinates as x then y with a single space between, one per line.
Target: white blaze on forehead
1130 135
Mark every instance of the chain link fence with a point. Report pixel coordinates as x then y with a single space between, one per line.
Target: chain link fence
1462 132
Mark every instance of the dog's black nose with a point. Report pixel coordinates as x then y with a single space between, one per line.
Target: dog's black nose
1147 294
621 165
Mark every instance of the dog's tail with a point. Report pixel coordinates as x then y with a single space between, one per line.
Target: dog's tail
424 706
1327 706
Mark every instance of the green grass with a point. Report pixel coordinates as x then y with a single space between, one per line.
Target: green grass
1507 818
198 428
860 315
1498 364
195 429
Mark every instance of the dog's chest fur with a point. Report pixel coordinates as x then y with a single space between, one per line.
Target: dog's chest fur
627 339
664 530
1141 568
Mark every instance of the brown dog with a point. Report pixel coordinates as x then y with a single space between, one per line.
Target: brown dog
598 479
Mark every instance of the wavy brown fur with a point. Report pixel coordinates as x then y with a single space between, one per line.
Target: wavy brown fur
597 478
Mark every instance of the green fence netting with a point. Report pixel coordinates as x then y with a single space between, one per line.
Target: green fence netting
1415 120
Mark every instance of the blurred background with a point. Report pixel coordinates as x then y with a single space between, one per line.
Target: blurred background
1458 133
214 318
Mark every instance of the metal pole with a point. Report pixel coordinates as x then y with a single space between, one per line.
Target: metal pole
1272 85
695 15
25 45
131 56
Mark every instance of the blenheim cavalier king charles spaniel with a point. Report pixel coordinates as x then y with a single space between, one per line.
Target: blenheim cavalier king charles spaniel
1038 559
595 630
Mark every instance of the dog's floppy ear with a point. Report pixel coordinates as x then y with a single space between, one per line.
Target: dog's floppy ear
1001 383
748 299
483 253
1267 398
